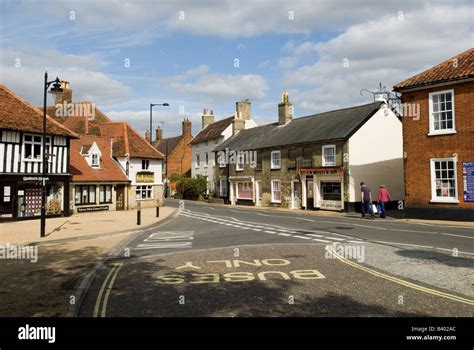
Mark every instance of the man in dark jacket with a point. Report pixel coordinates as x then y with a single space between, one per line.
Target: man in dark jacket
366 200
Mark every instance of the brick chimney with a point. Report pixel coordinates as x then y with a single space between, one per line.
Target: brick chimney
65 95
243 110
147 135
159 134
285 110
187 128
207 118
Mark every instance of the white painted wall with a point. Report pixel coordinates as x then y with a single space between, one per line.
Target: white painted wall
202 148
376 156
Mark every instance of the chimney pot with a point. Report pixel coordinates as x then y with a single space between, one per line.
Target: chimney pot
285 110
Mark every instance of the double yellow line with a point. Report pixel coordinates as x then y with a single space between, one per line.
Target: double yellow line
402 282
108 283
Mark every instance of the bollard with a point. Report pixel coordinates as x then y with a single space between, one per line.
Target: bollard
157 211
139 213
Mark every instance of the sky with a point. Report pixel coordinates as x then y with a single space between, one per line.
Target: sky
194 54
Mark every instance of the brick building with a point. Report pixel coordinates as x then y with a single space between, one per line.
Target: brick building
177 151
438 141
313 162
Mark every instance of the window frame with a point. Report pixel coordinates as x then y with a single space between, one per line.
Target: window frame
323 156
272 165
239 164
145 188
95 165
33 143
221 181
432 130
101 187
273 190
147 163
88 202
198 160
434 197
247 184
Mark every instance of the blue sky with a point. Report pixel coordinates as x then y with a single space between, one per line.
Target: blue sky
183 52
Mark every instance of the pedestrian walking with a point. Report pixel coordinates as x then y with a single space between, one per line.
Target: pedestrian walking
383 198
366 200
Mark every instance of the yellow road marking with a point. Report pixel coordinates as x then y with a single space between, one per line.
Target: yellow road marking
115 269
402 282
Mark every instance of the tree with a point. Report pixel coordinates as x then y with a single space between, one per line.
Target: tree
189 187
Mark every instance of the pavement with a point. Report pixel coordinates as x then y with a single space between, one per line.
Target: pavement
214 260
48 286
80 225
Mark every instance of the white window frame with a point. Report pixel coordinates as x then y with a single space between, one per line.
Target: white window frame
198 160
221 181
434 132
273 197
237 190
324 162
32 143
97 164
143 188
239 164
434 198
272 165
147 163
206 159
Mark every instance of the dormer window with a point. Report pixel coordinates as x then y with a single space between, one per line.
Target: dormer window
95 161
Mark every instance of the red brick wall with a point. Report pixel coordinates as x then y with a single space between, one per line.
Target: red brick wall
179 161
420 148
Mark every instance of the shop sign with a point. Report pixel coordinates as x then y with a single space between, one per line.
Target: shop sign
468 181
91 209
145 178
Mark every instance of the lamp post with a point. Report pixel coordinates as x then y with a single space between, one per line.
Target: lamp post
166 160
55 89
151 117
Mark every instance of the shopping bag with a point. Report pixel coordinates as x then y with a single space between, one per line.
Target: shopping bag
374 208
379 208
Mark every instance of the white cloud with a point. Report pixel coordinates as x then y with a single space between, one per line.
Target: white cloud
386 50
87 83
217 87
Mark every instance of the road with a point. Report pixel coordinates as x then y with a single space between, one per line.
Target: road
214 260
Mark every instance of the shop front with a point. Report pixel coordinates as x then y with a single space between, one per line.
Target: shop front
323 188
21 197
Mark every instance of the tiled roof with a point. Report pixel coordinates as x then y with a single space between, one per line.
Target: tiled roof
18 114
456 68
166 146
128 141
212 131
81 124
334 125
109 170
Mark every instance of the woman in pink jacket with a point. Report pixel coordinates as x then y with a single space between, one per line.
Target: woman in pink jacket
384 196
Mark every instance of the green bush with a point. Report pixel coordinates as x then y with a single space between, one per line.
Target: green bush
189 187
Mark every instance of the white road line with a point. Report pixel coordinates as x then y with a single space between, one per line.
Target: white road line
359 242
320 240
334 238
407 244
256 229
284 234
452 234
304 237
272 232
313 235
451 250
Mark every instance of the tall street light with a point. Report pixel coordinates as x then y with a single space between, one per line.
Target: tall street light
151 117
54 90
166 159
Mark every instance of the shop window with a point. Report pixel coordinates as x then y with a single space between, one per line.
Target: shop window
276 191
144 192
444 180
244 190
331 191
105 194
85 194
329 155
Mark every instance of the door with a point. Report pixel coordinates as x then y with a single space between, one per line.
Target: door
120 197
296 194
309 194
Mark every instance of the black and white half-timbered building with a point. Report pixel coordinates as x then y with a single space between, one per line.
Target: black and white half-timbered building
21 163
